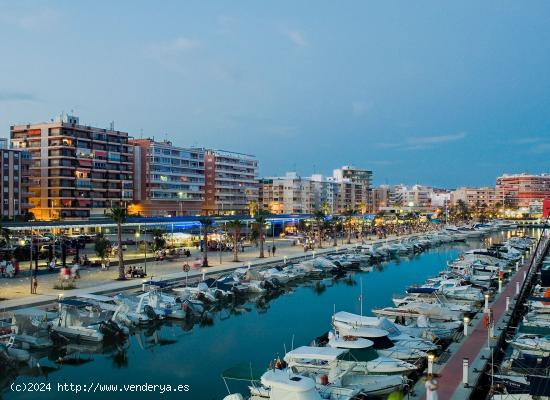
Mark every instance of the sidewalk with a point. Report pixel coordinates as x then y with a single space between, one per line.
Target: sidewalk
16 291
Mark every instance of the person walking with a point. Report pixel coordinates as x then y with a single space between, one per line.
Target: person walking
273 250
269 251
34 284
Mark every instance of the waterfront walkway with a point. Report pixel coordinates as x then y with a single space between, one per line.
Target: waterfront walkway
15 292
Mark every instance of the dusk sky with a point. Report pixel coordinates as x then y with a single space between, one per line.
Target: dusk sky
439 93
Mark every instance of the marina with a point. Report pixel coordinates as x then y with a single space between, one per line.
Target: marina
146 330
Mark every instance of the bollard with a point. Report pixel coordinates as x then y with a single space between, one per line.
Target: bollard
313 254
486 309
500 285
517 266
203 274
430 364
507 303
517 288
465 367
466 323
524 275
285 259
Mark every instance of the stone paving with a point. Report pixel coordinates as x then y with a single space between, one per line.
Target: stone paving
15 292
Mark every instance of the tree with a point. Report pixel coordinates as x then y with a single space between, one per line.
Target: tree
319 217
325 208
349 214
206 223
235 227
363 207
253 208
259 224
119 215
5 233
462 210
158 239
101 245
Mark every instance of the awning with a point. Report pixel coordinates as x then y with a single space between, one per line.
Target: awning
84 203
100 153
85 163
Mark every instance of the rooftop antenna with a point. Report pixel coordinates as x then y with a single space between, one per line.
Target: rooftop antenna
141 133
112 125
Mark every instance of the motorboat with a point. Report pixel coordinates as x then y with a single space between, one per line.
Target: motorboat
70 324
532 344
416 309
347 322
362 350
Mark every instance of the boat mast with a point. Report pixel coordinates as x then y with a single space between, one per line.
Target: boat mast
361 296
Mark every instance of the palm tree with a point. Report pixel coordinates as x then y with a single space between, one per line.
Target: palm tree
349 213
119 216
253 208
462 209
319 217
206 223
5 234
259 223
235 227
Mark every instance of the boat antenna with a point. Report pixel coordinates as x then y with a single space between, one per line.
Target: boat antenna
284 347
292 343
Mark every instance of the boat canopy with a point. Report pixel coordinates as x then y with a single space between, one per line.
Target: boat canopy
355 319
315 353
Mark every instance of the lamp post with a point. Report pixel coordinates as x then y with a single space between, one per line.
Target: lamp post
466 323
180 195
138 234
431 358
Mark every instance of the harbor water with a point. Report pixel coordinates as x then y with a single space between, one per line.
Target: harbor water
253 333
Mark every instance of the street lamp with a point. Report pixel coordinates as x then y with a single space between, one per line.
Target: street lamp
138 234
180 195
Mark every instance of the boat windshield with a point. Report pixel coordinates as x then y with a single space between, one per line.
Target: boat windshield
382 342
364 354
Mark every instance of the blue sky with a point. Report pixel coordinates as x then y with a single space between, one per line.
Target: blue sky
440 93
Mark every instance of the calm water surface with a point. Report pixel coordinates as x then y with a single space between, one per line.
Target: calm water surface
254 332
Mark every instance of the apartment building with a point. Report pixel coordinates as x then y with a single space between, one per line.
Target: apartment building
230 182
289 194
360 176
168 180
75 171
473 197
520 190
14 191
380 197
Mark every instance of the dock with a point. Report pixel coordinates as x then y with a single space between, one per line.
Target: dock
475 351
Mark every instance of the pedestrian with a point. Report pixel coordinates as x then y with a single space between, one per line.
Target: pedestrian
269 251
34 284
273 250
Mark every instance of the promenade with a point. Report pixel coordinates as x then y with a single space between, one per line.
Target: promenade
15 292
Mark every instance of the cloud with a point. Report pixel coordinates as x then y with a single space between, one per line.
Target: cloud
541 148
422 142
296 37
359 108
6 95
37 20
171 53
527 140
